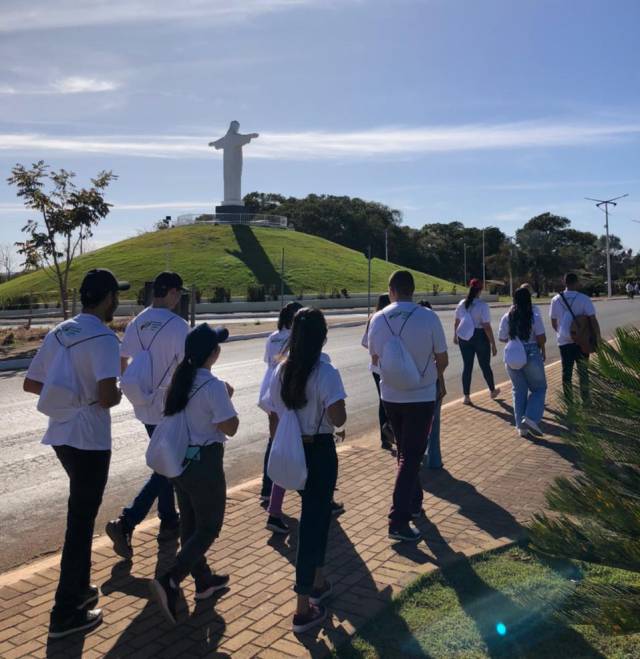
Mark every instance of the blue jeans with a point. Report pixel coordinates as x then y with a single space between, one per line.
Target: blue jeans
529 386
157 487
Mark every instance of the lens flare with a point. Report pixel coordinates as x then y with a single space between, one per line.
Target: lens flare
501 628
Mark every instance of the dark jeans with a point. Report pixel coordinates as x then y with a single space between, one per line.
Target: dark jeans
202 496
411 423
478 345
571 354
315 518
87 472
267 483
157 487
382 415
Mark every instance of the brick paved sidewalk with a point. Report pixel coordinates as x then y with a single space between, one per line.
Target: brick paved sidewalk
492 481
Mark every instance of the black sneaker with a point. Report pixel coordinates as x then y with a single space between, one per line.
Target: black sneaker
169 531
337 507
404 533
90 599
386 446
387 433
81 620
264 501
276 525
315 615
210 585
417 514
166 596
120 535
319 594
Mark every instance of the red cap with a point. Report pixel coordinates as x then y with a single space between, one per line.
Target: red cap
475 283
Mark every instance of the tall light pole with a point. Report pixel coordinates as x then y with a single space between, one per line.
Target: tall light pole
600 203
386 244
511 240
484 269
465 247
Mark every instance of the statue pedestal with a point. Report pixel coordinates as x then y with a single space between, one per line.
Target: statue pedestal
227 209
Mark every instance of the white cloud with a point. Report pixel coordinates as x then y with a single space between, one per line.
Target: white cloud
69 85
322 145
19 16
80 85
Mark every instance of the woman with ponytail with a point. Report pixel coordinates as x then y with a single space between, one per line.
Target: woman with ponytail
307 383
275 349
529 382
473 333
201 490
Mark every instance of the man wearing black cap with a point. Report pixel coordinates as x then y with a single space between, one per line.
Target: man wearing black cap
85 353
156 334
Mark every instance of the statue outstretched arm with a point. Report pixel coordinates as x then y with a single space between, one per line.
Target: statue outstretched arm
218 144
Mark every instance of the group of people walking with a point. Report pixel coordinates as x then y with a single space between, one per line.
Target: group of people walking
165 369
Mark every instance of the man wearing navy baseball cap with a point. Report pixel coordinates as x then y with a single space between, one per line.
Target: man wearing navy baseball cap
75 374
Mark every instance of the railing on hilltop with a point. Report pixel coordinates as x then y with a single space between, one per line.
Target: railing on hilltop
251 219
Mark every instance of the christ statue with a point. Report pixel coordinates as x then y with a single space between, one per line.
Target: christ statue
232 144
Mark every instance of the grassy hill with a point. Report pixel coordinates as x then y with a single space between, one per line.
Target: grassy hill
233 257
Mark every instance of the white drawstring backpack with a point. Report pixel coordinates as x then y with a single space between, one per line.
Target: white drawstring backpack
137 380
169 443
397 367
287 465
515 356
61 397
466 327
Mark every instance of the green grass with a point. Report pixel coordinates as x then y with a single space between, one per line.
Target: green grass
455 612
231 257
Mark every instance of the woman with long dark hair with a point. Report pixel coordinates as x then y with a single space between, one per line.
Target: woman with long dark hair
529 381
307 383
386 434
201 489
473 333
275 348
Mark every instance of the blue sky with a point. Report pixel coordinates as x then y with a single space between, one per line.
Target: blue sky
484 111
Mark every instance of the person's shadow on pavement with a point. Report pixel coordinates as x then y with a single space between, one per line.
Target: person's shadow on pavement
355 598
485 513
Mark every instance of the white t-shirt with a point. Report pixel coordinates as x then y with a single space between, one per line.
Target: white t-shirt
580 304
167 351
275 347
324 388
209 406
422 336
93 360
537 327
365 344
478 310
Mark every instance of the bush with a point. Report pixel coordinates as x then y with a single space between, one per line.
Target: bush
273 292
221 294
256 294
436 289
9 339
345 293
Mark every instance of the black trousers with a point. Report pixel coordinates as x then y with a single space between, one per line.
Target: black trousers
382 415
88 472
202 494
478 345
315 519
411 423
571 355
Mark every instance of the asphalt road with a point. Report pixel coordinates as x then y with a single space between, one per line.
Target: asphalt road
33 487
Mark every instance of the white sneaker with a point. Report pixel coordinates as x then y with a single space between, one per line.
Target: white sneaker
523 432
532 425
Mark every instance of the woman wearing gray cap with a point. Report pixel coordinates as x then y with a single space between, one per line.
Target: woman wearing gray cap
200 488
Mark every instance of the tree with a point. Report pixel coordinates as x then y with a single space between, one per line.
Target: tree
6 260
68 215
596 515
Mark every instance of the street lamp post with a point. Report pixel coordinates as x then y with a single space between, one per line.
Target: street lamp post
484 268
600 203
465 247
